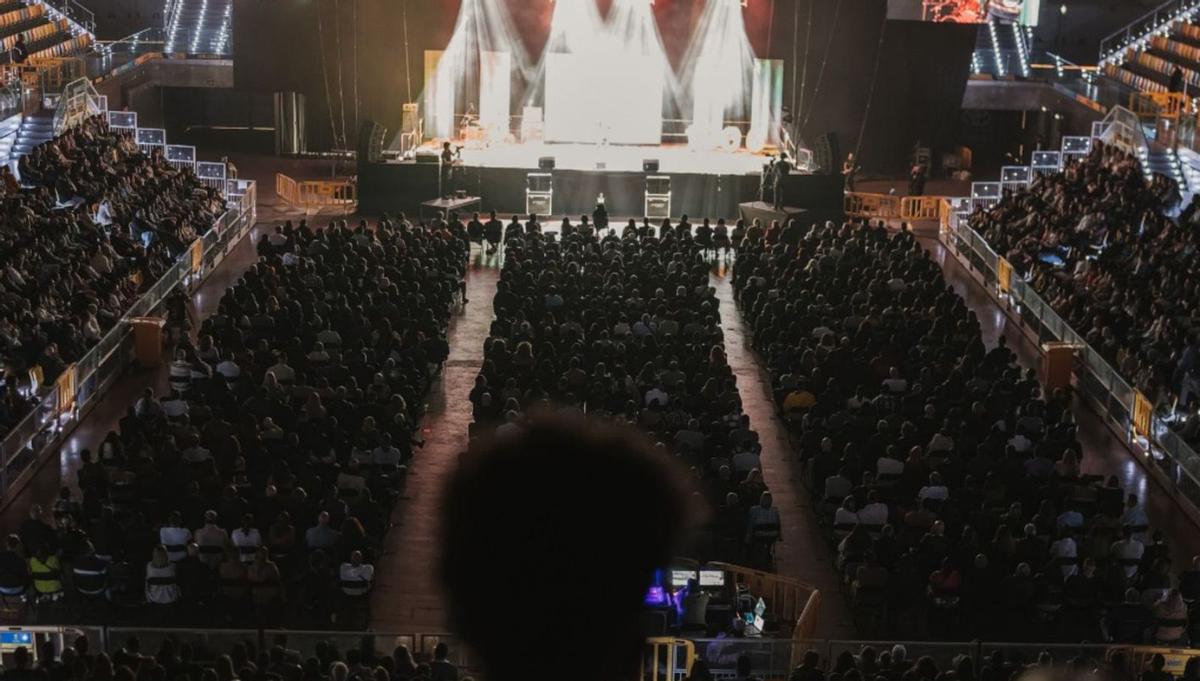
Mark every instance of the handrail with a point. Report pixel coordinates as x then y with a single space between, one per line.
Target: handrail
1113 44
46 424
83 18
1123 407
793 602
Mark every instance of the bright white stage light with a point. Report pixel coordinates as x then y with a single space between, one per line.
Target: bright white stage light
453 87
719 65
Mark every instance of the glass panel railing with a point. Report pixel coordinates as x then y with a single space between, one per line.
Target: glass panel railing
1096 378
35 436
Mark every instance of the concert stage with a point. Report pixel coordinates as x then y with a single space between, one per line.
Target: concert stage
703 184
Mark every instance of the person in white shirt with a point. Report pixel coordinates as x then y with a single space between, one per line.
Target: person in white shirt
1128 552
875 512
1066 552
229 369
161 587
846 516
175 537
356 576
934 490
247 539
895 383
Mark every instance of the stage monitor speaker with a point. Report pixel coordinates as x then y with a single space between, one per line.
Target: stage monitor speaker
539 204
650 165
370 141
827 154
546 163
658 185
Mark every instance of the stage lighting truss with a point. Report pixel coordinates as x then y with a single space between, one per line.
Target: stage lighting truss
658 197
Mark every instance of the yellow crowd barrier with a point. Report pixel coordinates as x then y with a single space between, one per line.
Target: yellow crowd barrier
1160 104
916 208
790 601
888 207
877 206
66 390
316 193
664 661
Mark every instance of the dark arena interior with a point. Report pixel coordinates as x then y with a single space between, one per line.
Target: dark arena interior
599 340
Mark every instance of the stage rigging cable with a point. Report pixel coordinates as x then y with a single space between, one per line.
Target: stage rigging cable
862 131
337 53
837 10
325 75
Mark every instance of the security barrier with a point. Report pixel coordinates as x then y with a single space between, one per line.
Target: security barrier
310 194
872 206
919 208
790 601
664 659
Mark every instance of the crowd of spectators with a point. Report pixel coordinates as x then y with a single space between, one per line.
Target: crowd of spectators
91 223
256 491
626 328
1100 246
184 659
950 485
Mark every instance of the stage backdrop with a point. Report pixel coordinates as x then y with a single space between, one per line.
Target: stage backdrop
362 60
616 98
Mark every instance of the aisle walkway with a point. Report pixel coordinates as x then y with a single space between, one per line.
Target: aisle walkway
803 554
406 597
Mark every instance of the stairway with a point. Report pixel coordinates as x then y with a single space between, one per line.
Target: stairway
200 27
1001 50
35 129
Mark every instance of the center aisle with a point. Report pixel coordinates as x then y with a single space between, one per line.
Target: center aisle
803 553
406 597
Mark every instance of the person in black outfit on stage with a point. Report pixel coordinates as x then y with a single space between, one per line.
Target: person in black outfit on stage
600 217
783 168
447 170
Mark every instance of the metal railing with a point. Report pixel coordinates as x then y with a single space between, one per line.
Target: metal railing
83 18
78 102
664 658
309 194
1141 30
44 427
1113 397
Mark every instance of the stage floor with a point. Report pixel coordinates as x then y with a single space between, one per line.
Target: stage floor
672 158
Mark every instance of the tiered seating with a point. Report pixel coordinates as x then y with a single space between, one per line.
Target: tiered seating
43 37
73 259
1150 69
275 461
1114 275
627 329
950 485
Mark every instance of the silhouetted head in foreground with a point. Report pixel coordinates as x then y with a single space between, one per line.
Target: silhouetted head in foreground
550 539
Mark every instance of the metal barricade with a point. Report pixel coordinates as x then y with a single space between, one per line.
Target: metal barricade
873 206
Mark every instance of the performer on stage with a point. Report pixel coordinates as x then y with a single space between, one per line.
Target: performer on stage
447 170
850 171
783 168
766 181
